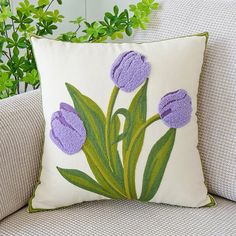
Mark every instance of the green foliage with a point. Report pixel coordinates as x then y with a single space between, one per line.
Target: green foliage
18 69
156 164
130 148
82 180
94 147
6 83
32 78
115 178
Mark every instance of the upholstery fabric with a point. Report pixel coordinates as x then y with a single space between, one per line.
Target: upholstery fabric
21 141
217 93
124 218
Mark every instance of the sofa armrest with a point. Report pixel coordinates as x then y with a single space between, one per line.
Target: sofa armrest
21 142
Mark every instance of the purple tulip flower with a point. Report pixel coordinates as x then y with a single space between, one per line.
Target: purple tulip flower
175 109
130 70
67 130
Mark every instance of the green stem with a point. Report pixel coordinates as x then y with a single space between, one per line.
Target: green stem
107 174
6 34
5 53
108 122
13 25
129 174
76 31
26 86
49 5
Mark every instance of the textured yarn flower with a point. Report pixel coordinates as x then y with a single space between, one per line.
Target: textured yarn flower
130 70
175 109
67 130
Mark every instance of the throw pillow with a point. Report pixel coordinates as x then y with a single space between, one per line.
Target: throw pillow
120 122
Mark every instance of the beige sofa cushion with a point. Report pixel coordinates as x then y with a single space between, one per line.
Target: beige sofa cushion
121 218
21 141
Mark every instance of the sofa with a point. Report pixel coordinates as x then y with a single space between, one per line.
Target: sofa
22 137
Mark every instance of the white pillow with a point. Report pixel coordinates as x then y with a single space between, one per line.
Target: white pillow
115 114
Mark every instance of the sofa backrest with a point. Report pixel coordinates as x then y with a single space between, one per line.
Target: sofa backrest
217 91
21 142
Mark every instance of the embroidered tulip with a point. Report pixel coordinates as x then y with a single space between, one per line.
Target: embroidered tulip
175 109
67 130
130 70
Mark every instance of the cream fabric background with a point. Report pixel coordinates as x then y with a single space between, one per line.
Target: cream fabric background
175 64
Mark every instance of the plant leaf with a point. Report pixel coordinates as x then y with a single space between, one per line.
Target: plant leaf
156 165
43 2
82 180
128 30
99 176
116 163
94 122
138 113
126 114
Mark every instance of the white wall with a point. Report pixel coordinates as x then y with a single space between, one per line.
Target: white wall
97 8
89 9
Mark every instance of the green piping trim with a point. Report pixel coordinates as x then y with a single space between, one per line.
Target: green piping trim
212 202
206 35
203 34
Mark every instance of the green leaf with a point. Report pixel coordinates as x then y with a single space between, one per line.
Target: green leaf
128 30
26 8
55 16
5 13
5 81
77 21
31 78
43 2
126 114
15 36
138 113
99 176
5 67
4 3
109 15
16 51
116 35
28 20
154 6
82 180
22 42
8 27
116 10
132 7
115 157
156 165
94 122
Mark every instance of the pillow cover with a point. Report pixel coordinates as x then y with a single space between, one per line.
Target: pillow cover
217 89
120 122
